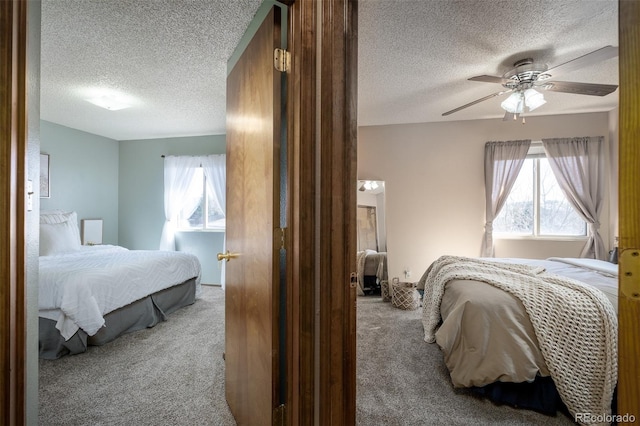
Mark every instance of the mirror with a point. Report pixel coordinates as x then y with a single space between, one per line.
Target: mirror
371 229
372 238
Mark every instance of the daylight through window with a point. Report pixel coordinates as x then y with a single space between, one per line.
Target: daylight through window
537 206
207 213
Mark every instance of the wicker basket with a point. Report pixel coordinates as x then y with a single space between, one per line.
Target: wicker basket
384 291
405 296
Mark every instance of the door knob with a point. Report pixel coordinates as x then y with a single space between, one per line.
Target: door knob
227 256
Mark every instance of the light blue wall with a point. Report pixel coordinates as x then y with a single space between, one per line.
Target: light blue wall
141 198
83 175
123 183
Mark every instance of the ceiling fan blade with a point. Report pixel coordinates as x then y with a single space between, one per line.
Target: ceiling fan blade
594 57
477 101
579 88
488 79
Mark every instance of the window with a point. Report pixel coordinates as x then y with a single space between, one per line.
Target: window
536 205
198 195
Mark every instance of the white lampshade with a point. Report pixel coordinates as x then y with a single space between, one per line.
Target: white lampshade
514 103
533 99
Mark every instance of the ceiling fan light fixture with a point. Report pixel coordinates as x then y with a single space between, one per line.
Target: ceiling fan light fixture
514 103
370 185
533 99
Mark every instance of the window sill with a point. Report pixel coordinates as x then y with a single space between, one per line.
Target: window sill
202 230
541 238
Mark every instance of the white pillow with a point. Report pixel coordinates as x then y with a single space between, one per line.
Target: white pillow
57 238
60 216
57 216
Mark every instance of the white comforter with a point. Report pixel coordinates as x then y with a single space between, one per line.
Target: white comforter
77 289
597 273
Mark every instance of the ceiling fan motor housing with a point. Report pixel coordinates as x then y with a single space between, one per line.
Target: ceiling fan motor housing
524 74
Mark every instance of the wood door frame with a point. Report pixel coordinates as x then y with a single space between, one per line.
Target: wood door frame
322 129
628 210
306 228
13 159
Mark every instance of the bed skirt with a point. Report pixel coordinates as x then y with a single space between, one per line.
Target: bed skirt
540 395
140 314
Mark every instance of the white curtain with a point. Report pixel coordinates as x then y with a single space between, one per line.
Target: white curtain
578 165
215 172
178 174
502 164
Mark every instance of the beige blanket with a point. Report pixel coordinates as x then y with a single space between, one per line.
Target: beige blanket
574 325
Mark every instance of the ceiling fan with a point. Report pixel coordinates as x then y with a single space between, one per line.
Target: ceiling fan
527 77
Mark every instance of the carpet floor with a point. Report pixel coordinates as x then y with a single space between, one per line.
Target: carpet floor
402 380
173 374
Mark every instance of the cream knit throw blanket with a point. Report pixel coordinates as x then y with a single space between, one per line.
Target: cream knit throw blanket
574 323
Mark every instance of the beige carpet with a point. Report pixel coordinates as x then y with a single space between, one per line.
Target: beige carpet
173 374
403 380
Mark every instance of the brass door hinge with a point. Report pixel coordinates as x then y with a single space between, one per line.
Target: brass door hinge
279 415
630 273
281 60
282 238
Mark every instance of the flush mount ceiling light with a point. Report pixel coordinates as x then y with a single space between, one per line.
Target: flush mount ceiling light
110 102
107 98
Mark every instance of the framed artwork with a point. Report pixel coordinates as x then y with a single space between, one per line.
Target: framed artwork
44 176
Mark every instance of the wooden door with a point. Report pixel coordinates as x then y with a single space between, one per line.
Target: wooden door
252 377
13 231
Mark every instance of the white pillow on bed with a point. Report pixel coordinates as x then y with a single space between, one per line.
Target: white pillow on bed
59 233
57 216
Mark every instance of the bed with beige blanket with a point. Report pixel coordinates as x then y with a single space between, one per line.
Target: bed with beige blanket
372 270
521 320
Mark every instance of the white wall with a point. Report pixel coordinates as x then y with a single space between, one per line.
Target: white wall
434 185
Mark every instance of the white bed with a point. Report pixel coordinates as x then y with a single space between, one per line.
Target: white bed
92 294
490 335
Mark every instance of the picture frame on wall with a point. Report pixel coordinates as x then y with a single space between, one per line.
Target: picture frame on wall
44 176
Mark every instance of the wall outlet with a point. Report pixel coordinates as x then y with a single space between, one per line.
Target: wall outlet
407 272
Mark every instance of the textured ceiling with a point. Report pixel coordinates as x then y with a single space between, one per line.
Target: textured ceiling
414 58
